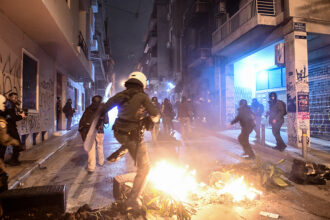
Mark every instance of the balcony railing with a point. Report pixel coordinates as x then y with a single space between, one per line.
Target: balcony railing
82 44
243 15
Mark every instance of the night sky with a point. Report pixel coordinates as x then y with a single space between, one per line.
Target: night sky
129 21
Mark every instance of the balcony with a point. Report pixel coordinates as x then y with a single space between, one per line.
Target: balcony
196 57
257 16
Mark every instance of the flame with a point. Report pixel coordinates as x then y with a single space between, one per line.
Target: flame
239 190
181 183
177 182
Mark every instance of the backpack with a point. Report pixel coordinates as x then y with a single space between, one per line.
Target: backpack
284 107
85 123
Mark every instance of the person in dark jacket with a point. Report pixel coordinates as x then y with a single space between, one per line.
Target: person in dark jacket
5 139
246 119
277 110
84 126
68 111
258 109
58 112
136 111
155 130
167 115
12 116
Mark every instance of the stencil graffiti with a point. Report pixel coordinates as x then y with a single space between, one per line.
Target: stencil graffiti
302 76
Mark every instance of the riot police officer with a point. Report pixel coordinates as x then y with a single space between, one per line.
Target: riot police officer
135 109
5 139
14 114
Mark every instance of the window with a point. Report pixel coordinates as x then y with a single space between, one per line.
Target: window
30 81
271 79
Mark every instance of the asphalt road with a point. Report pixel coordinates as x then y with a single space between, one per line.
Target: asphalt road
203 152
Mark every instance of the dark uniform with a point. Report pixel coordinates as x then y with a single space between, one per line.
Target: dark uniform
258 110
68 111
277 110
246 119
12 117
5 139
134 106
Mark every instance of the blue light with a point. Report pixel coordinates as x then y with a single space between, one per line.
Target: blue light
263 76
170 85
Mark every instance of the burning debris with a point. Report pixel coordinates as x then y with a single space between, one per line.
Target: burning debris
174 190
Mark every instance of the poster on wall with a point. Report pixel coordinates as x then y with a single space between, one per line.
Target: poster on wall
303 102
279 55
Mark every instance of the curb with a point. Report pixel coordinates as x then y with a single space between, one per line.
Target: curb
27 172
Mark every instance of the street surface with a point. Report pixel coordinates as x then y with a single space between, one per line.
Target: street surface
202 151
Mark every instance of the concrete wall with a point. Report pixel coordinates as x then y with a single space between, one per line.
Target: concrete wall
67 18
310 9
40 123
12 41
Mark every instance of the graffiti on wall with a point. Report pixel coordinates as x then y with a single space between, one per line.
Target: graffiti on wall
302 75
10 68
46 103
10 76
30 124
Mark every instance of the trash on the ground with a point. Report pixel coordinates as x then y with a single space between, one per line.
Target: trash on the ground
269 214
309 173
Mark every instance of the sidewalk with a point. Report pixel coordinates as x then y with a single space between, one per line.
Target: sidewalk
34 158
318 153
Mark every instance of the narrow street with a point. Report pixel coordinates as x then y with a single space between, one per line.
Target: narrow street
202 152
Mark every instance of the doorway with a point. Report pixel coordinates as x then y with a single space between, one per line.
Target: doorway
59 90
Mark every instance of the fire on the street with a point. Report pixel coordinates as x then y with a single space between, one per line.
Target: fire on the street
180 183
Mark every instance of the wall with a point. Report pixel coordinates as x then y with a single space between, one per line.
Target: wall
12 40
310 9
39 124
70 93
67 18
319 98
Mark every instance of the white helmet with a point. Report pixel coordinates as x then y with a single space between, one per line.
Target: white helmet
2 102
139 76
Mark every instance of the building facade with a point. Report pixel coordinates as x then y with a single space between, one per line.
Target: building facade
298 31
221 51
45 56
